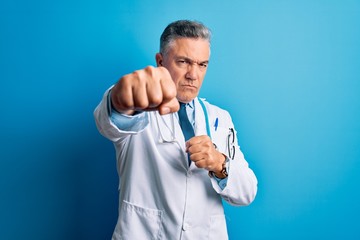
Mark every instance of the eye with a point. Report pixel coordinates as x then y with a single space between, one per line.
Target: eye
203 65
183 63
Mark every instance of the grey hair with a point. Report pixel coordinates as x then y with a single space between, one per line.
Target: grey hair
183 29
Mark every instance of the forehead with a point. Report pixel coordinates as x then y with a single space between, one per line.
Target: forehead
196 49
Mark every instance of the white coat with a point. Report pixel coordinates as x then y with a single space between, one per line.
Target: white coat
160 195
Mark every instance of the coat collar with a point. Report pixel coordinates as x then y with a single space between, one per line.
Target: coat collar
200 121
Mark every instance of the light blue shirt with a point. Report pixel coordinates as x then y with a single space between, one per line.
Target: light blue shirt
136 122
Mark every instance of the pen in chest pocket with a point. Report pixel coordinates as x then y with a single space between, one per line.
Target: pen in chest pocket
216 123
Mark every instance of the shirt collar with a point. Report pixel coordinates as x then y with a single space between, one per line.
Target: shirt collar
190 104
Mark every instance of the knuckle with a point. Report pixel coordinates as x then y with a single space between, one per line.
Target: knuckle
169 92
207 138
172 91
139 77
163 70
149 68
208 144
126 104
141 102
135 75
141 105
124 82
150 71
155 99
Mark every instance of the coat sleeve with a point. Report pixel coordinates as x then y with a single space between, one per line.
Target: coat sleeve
108 128
241 186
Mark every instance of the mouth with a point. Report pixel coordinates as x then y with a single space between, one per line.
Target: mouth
189 86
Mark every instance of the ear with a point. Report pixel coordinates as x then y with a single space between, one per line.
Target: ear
159 59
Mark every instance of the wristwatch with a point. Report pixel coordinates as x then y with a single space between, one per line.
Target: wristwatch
224 171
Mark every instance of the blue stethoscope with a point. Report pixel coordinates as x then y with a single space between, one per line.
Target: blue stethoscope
207 118
230 137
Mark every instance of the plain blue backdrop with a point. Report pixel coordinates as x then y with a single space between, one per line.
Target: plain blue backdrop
288 72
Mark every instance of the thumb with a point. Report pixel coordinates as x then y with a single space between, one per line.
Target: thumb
169 106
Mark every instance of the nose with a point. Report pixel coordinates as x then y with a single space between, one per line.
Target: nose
192 72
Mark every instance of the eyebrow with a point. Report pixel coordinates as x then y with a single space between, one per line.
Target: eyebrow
191 60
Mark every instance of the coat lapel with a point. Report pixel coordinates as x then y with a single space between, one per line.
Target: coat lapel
200 122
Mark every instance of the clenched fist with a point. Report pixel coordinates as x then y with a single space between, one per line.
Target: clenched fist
148 89
203 153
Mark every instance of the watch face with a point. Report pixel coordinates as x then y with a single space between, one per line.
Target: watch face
224 172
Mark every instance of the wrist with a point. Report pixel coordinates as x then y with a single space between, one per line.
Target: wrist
222 172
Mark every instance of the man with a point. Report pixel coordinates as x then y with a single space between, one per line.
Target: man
174 165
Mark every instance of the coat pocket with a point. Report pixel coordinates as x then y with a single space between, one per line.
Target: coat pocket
218 228
137 222
220 139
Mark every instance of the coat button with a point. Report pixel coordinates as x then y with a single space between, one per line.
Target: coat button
186 226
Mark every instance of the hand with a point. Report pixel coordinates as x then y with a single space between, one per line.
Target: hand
148 89
203 153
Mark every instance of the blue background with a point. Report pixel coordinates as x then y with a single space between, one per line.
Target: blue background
288 71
